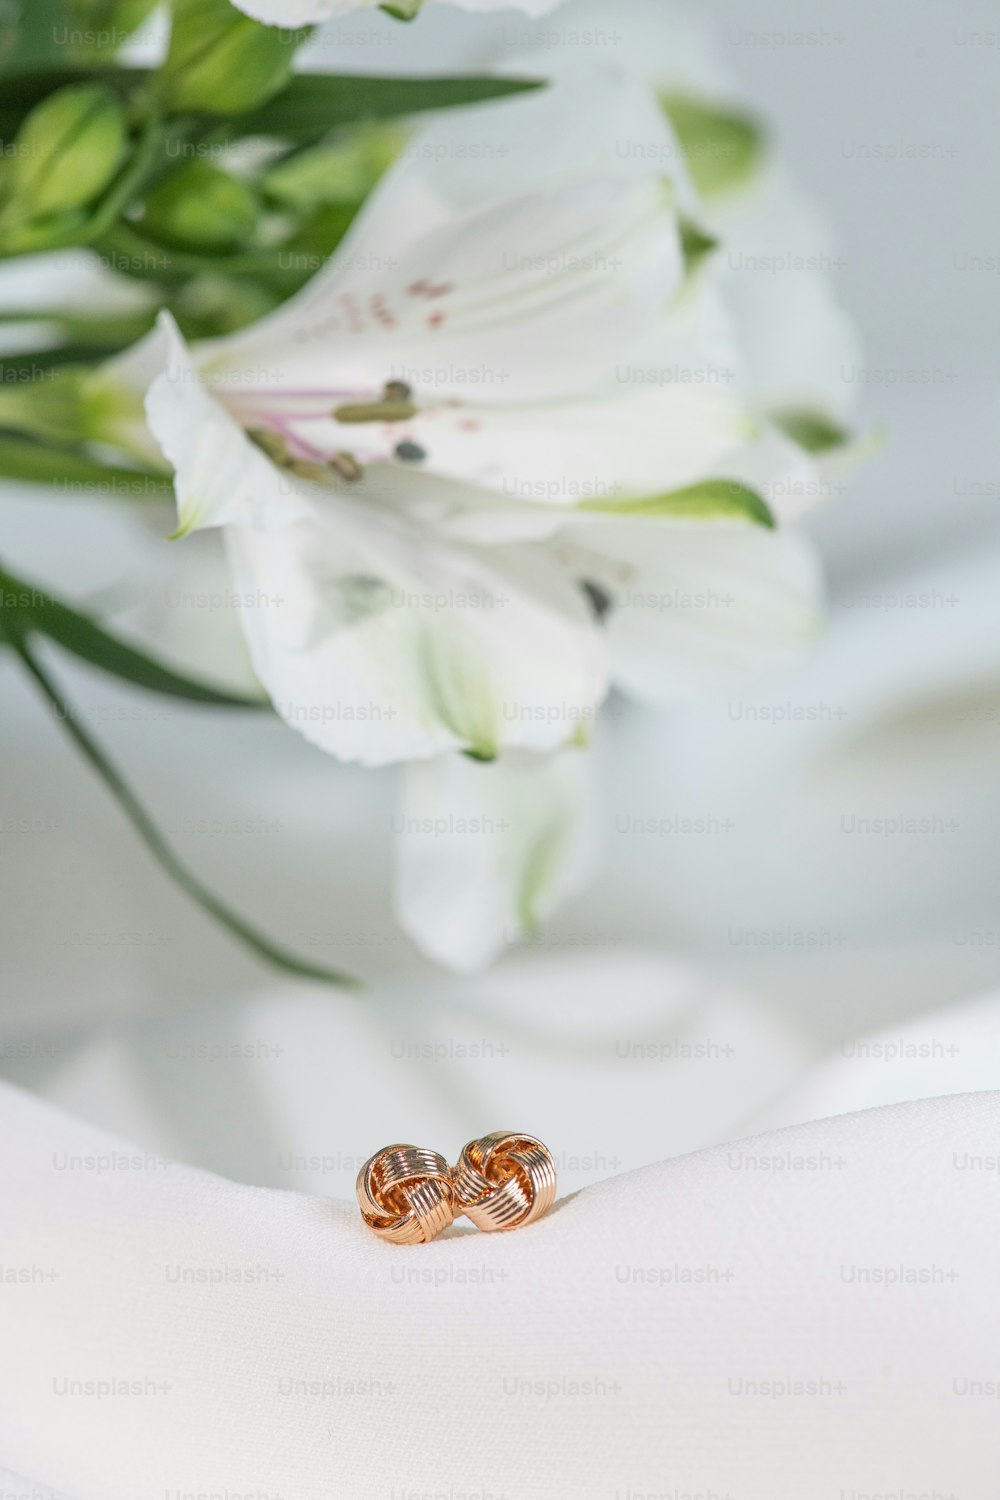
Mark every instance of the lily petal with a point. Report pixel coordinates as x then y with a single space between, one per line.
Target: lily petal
220 476
553 135
374 637
802 348
790 479
486 853
292 13
693 607
379 642
632 442
527 299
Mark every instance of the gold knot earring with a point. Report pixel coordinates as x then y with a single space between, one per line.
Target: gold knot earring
504 1180
405 1194
501 1181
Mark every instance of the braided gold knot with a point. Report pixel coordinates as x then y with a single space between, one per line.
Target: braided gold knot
504 1180
405 1194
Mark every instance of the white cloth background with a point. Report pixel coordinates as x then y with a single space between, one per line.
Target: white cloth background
807 1312
716 1323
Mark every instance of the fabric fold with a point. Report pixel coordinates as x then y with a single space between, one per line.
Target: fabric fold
815 1302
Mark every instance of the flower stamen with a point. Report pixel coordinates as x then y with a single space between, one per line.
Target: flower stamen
395 405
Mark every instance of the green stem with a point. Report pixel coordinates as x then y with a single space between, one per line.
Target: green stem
102 332
26 608
158 846
74 473
124 245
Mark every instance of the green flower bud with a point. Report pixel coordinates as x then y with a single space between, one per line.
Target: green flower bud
202 208
66 152
221 62
71 405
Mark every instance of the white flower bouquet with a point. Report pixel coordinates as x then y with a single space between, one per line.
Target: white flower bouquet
469 376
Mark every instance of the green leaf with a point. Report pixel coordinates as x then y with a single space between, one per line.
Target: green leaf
101 27
18 369
28 610
227 294
298 259
28 32
723 148
812 430
314 104
90 337
712 500
72 472
343 169
158 846
127 249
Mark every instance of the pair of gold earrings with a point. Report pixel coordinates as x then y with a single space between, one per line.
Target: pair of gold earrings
501 1181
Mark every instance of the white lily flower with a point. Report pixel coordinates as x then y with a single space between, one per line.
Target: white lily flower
496 344
414 597
291 13
375 639
434 467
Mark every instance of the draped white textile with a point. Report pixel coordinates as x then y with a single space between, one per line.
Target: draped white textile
808 1313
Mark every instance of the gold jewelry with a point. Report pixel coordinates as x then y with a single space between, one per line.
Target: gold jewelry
405 1194
504 1180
